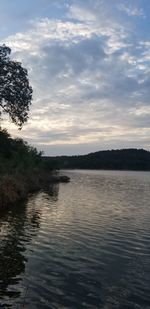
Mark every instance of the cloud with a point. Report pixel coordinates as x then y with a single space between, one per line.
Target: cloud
132 10
90 77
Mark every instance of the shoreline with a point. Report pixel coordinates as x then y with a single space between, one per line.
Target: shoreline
14 188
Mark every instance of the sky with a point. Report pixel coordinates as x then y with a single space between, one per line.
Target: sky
88 62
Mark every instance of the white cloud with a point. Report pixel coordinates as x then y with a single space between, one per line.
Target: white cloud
81 13
132 10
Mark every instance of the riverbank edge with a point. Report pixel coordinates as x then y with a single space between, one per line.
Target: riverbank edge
14 188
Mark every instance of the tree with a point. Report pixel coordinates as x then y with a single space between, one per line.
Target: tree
15 91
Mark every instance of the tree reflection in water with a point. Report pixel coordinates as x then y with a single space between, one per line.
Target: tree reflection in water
18 226
52 192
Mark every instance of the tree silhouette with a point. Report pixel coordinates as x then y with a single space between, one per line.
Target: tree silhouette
15 91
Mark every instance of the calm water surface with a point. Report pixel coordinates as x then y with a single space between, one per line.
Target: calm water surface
85 244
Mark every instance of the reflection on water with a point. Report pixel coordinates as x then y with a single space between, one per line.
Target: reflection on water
52 192
18 227
85 244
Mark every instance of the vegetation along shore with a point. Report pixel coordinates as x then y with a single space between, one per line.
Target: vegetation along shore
22 170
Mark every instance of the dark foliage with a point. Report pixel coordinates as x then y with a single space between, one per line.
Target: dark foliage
125 159
22 170
16 156
15 91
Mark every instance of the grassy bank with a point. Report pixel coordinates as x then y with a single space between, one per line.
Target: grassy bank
22 170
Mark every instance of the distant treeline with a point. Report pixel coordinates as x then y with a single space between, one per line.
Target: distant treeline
124 159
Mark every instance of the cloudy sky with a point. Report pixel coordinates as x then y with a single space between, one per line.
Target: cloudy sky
89 66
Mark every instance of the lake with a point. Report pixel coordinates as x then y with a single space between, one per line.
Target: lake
85 244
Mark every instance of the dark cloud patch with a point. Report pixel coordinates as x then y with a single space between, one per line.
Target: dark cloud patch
73 58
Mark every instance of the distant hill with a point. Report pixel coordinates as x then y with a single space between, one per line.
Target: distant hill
124 159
